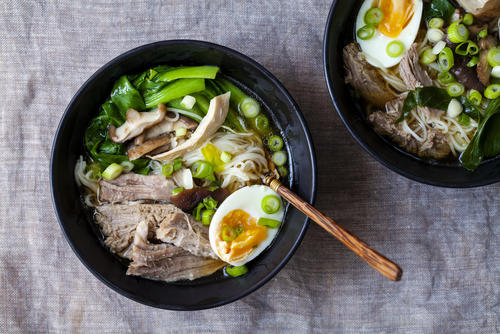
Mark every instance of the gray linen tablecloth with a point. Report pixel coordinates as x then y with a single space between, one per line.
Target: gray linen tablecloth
447 241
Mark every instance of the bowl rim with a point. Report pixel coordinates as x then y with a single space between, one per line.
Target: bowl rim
367 148
294 108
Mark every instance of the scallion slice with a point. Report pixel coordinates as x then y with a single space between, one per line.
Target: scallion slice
395 49
366 32
445 78
482 34
112 171
491 92
261 123
473 61
455 89
228 233
268 222
270 204
374 16
177 190
236 271
474 96
167 169
127 166
226 157
468 19
457 32
202 169
446 59
279 158
494 56
436 23
275 143
249 107
206 216
428 57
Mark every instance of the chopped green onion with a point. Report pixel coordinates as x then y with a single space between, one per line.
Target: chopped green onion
206 72
225 157
468 19
455 89
455 108
445 59
464 119
366 32
127 166
457 32
236 271
275 143
112 171
435 35
283 171
167 169
374 16
467 48
495 72
249 107
188 102
395 49
279 158
180 132
261 123
436 23
474 96
197 211
271 223
202 169
270 204
228 233
209 203
436 49
177 164
213 188
428 57
446 78
482 34
177 190
494 56
473 61
491 92
206 216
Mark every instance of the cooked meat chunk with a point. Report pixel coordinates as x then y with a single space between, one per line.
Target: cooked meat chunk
189 198
168 125
118 227
435 144
136 123
180 229
364 77
212 121
411 72
118 223
147 146
483 9
166 262
483 67
132 187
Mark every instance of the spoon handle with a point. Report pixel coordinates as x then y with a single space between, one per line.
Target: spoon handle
379 262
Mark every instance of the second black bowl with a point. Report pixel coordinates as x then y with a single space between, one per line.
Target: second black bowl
82 233
340 32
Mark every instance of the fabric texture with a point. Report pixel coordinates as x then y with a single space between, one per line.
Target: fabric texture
447 241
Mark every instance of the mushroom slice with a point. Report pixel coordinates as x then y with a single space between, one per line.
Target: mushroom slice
136 123
149 145
217 112
169 125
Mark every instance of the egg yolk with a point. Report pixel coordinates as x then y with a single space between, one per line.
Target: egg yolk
397 15
249 235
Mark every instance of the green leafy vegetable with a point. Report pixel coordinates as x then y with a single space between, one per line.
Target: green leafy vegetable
432 97
176 89
125 96
439 8
470 109
486 141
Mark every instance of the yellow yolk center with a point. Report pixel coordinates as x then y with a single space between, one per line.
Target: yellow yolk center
397 15
250 237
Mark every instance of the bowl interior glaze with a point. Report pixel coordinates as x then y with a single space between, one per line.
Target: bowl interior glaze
339 32
82 234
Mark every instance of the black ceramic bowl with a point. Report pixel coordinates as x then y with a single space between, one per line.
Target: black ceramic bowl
83 235
340 32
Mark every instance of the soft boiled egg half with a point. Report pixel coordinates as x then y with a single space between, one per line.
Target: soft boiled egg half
237 233
385 38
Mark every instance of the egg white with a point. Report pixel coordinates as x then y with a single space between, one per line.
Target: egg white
375 47
249 200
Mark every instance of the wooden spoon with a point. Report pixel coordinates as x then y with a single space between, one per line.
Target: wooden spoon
379 262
